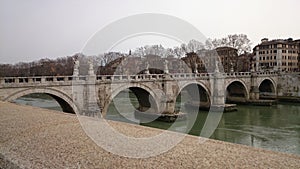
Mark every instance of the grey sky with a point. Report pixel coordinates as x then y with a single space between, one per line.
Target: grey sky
34 29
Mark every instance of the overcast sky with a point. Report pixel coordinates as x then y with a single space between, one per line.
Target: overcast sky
34 29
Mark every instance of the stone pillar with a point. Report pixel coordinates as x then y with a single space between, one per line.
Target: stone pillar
168 102
17 80
2 81
43 80
91 107
254 91
218 92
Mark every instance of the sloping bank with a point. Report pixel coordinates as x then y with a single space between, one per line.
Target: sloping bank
37 138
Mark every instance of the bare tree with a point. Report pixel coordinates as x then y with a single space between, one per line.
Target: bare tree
194 46
178 52
238 41
208 44
108 57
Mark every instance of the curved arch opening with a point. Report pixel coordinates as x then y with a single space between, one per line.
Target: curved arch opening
126 103
193 96
267 90
236 92
45 100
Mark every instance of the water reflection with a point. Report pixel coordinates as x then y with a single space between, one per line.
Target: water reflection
39 100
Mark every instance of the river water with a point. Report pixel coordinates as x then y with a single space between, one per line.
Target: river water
275 128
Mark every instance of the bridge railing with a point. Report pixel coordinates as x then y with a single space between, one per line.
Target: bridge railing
146 77
37 79
238 74
190 75
267 73
139 77
129 77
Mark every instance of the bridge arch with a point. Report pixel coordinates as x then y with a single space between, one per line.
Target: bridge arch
145 95
196 98
62 98
267 86
236 91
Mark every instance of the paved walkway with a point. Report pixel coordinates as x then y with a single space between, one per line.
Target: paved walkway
37 138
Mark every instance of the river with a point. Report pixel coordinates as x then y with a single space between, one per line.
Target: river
275 128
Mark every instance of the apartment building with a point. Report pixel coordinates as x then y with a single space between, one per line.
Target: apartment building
277 55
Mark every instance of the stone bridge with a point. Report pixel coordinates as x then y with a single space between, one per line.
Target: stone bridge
92 95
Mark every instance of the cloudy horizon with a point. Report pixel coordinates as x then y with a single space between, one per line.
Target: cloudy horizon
31 30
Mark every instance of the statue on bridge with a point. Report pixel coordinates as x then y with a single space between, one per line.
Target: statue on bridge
166 69
91 67
76 67
196 68
217 67
147 68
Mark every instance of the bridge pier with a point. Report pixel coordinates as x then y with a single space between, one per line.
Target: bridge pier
91 107
85 93
218 93
254 93
254 90
169 100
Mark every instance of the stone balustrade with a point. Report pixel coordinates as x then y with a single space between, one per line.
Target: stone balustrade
46 80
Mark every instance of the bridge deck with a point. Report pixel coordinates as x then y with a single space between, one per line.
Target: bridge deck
37 138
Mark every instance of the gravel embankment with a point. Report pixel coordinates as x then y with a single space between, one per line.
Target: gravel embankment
38 138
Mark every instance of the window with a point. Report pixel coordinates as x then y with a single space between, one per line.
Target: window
274 51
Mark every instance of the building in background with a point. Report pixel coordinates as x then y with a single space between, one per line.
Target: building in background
277 55
229 58
205 60
245 62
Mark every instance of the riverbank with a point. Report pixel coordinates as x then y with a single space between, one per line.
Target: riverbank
37 138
